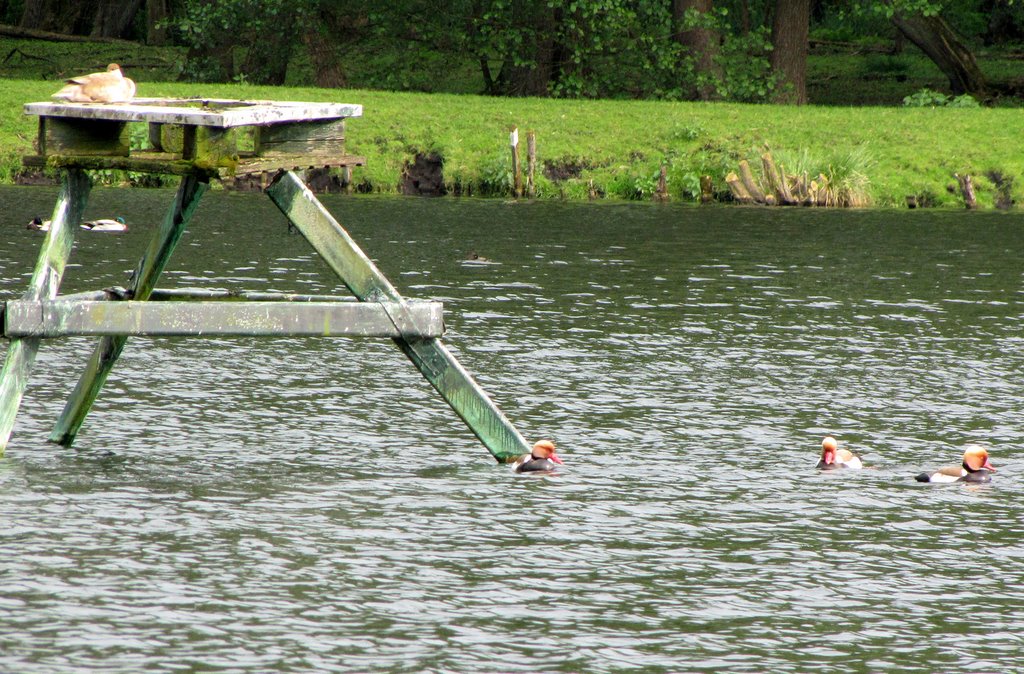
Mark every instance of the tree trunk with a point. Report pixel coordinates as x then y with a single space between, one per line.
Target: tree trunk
157 11
790 29
71 17
114 18
266 60
701 44
537 60
943 46
328 68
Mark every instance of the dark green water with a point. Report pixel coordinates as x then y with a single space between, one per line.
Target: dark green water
298 505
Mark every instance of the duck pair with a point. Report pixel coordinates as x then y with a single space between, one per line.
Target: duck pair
103 225
974 468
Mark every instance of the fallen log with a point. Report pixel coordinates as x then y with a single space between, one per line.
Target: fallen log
750 183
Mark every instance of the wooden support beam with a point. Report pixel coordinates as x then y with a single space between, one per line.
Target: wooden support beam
367 283
170 319
83 137
171 164
21 353
143 281
303 138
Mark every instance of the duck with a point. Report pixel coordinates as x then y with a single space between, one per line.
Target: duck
541 459
833 458
474 256
975 468
110 86
38 224
106 225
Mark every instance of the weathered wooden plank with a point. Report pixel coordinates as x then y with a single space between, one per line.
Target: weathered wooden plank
170 319
302 138
82 137
198 111
168 164
46 277
143 281
367 283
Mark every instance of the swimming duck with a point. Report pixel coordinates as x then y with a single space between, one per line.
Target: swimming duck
106 225
833 458
38 224
975 468
110 86
541 459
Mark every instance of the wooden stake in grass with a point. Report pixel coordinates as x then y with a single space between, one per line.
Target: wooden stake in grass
661 193
517 177
531 164
707 192
967 190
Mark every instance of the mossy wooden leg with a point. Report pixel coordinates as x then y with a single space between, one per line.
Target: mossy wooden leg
21 353
368 284
142 283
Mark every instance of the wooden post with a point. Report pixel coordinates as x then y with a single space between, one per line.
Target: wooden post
367 283
967 190
21 353
531 164
142 283
707 192
517 174
661 191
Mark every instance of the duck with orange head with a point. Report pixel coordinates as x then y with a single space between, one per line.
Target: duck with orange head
974 468
542 459
834 458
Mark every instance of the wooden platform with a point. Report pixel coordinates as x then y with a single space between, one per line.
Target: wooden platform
210 138
200 139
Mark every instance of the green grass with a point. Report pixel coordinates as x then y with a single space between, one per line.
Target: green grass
619 145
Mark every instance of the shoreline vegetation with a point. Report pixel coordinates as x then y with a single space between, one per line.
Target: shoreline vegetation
885 157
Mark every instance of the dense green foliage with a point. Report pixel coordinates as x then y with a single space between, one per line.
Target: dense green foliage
562 48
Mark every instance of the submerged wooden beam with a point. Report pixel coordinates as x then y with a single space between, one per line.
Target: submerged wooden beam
143 281
324 319
367 283
21 353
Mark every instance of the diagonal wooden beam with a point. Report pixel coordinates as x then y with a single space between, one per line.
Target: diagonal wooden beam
368 284
46 278
142 283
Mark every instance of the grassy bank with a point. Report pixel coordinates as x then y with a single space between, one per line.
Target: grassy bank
615 148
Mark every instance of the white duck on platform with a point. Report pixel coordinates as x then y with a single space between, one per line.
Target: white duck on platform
110 86
106 225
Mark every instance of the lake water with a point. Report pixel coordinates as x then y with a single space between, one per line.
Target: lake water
299 505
